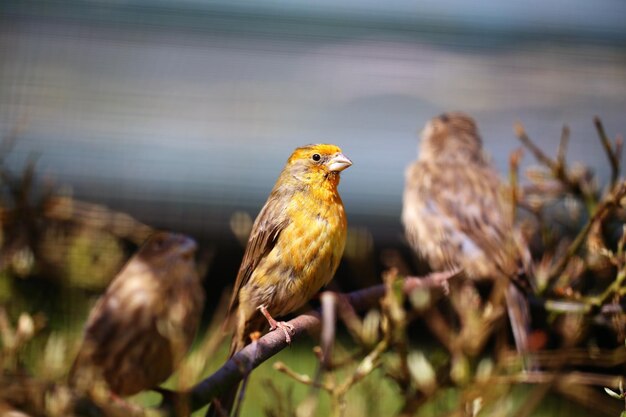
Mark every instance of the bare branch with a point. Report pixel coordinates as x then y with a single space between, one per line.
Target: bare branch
619 145
562 151
301 378
329 307
273 342
609 202
514 161
538 377
536 150
576 185
611 154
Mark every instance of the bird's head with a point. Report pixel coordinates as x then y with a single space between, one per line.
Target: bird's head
451 136
163 248
317 163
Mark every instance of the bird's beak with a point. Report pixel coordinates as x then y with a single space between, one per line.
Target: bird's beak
187 246
338 163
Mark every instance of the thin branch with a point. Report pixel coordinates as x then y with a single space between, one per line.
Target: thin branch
536 150
273 342
589 398
598 358
539 377
562 151
328 305
611 154
619 145
609 202
301 378
514 161
610 290
244 385
577 186
329 308
364 368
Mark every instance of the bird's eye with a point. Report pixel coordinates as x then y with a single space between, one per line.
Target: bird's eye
316 157
158 243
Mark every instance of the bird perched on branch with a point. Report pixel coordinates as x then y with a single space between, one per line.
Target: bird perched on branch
455 214
140 329
295 246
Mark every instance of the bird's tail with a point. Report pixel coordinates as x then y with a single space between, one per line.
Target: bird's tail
519 317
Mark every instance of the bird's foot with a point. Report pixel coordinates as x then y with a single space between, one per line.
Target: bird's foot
282 325
285 327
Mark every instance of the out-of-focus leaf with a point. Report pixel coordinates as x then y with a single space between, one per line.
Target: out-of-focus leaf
25 327
420 299
460 372
54 358
422 371
371 327
613 393
484 369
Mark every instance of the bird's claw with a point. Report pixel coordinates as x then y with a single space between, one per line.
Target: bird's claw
284 326
287 328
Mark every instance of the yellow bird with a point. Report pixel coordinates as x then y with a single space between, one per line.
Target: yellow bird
295 245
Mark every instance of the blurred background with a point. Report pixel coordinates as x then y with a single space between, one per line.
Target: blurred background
182 113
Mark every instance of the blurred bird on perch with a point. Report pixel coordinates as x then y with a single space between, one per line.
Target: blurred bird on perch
140 329
455 213
295 246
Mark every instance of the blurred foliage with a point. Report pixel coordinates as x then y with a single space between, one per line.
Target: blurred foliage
46 235
440 351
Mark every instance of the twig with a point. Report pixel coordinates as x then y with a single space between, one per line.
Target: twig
611 154
598 358
365 367
442 331
610 290
338 392
562 150
244 385
329 320
589 398
564 382
329 308
609 202
302 378
574 377
352 321
514 161
536 150
619 145
394 325
273 342
577 186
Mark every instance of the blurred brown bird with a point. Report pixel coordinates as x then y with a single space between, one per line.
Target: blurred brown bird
140 329
295 245
455 214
